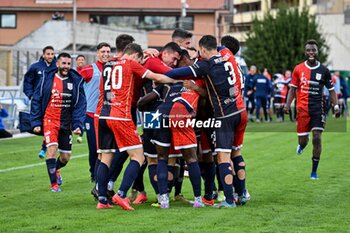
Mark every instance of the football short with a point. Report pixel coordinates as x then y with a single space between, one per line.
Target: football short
180 134
231 133
206 140
279 102
173 153
307 122
54 135
148 147
115 134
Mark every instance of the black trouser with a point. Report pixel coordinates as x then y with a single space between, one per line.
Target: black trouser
5 134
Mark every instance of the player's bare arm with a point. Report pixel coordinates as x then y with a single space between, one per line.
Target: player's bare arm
189 84
290 98
334 101
146 99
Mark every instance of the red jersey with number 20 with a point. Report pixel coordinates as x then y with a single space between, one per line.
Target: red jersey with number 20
117 88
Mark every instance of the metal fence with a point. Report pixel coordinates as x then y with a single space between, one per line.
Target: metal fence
15 62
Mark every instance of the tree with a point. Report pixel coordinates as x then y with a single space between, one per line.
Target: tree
278 42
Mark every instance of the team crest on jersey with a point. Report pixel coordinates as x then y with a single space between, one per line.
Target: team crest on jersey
318 76
70 86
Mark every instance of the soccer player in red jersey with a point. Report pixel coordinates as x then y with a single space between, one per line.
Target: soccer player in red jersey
116 129
57 108
308 80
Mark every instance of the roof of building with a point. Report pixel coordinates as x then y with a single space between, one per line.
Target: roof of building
115 6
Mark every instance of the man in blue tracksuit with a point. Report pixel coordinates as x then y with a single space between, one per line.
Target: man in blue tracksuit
249 92
58 108
34 74
263 88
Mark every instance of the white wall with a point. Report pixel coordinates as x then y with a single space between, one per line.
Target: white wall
337 35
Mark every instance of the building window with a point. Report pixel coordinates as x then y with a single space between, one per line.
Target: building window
159 22
246 7
123 21
146 22
241 27
289 3
7 20
347 15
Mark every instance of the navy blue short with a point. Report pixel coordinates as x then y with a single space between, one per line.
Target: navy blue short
225 135
148 147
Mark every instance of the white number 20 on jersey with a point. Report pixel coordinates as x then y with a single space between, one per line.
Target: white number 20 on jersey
112 77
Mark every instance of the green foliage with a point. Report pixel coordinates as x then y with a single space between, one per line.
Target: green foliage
278 41
284 199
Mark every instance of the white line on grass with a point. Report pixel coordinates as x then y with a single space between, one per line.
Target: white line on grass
35 164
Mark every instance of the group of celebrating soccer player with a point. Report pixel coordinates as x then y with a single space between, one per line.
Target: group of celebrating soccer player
193 111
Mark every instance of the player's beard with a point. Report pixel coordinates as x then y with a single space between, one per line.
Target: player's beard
63 72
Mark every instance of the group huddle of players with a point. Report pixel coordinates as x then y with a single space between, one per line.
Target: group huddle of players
207 88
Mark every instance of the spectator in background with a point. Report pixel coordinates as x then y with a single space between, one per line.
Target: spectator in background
262 87
345 95
249 92
3 132
270 96
336 83
280 92
33 76
288 78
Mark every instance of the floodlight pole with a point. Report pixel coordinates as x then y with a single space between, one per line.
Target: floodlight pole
74 25
183 13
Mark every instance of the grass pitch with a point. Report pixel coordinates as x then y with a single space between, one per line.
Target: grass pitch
284 199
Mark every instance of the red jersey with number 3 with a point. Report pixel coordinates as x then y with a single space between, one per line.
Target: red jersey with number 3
117 88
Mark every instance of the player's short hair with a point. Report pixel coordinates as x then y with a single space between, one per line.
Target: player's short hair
133 48
311 41
262 70
181 33
172 47
185 53
63 55
103 44
208 41
231 43
47 47
80 55
122 41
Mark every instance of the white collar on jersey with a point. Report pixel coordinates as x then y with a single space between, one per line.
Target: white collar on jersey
314 67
